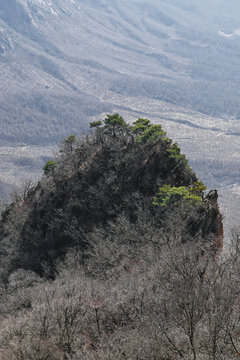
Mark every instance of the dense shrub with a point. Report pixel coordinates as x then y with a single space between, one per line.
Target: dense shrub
49 167
175 153
171 195
152 135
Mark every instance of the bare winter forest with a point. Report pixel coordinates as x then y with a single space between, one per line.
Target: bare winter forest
101 263
114 245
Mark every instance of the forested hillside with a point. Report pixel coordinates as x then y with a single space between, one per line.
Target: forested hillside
115 172
116 254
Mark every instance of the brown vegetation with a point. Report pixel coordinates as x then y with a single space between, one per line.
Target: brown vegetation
93 268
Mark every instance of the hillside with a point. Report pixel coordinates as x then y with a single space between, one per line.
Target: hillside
116 254
95 181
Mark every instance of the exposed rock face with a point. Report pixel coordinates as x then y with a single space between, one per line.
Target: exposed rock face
215 217
207 223
220 236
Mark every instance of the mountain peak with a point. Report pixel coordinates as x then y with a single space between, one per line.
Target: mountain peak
119 171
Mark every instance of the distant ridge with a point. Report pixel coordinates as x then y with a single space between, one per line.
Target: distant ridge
58 58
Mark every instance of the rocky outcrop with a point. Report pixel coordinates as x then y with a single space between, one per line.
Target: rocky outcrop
215 218
96 181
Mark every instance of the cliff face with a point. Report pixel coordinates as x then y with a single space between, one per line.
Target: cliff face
215 218
208 222
114 172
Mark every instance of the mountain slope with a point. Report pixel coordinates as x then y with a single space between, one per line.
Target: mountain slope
113 256
70 52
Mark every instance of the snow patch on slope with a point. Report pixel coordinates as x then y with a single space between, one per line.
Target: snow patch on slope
229 36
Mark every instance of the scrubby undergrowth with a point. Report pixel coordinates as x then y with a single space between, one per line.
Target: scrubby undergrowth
140 297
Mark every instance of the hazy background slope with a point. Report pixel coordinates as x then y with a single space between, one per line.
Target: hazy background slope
55 54
63 62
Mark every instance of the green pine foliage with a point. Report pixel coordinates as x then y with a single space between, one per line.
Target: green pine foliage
152 135
49 167
198 188
95 124
175 153
140 125
171 195
70 139
142 132
69 142
114 120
